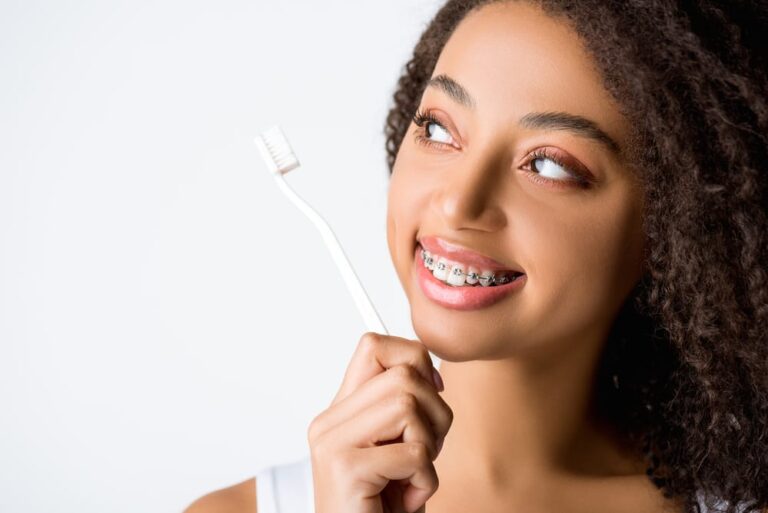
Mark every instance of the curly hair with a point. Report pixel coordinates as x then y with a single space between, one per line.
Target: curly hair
684 372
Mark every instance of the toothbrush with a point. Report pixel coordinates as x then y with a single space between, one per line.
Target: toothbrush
280 159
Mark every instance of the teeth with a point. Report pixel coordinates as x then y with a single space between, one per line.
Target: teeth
472 275
502 279
486 277
429 262
455 274
441 269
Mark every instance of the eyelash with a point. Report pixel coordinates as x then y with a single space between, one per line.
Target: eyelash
421 119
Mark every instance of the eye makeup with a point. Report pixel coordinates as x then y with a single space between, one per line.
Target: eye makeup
579 175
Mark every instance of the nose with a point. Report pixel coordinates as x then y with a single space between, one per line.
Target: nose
469 198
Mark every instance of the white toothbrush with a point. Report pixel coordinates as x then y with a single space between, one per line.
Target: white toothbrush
280 159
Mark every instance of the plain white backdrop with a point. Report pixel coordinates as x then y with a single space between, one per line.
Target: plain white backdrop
169 322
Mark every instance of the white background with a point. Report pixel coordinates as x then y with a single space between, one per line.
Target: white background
169 322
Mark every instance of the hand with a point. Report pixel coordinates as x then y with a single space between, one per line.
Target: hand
372 449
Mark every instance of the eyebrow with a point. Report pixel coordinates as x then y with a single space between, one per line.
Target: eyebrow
577 125
453 89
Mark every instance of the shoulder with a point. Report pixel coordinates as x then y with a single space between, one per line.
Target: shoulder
238 498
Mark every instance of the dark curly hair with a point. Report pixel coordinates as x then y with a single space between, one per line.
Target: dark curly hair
684 372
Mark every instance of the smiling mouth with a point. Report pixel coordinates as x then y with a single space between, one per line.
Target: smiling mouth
458 274
452 294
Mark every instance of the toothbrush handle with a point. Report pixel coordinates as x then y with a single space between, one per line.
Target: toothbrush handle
364 305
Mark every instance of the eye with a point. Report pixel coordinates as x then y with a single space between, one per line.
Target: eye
549 166
553 170
429 126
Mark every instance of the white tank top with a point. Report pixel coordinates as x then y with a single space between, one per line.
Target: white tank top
288 488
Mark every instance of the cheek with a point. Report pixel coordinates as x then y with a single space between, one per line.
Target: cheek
404 212
582 269
393 213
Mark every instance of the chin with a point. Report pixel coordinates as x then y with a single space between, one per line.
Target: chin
458 340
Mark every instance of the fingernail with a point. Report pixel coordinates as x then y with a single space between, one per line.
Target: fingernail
438 380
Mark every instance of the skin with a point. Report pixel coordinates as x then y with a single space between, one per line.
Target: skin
518 374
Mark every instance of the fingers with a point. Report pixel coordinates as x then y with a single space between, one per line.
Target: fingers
397 380
385 423
376 353
398 416
395 462
372 448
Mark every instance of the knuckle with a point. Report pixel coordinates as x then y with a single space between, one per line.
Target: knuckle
345 460
445 410
435 481
419 453
334 454
444 426
314 429
368 341
406 402
432 452
341 464
449 415
403 374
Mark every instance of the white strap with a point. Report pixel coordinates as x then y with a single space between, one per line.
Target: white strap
293 487
265 491
310 485
286 488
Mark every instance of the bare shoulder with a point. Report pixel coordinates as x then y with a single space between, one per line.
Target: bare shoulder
238 498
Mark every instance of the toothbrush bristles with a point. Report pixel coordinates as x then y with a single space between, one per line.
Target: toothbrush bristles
276 150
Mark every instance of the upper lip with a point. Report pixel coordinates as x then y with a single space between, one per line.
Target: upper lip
465 255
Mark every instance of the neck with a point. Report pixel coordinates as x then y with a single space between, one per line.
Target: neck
517 421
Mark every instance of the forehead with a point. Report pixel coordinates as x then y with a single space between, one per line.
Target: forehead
513 59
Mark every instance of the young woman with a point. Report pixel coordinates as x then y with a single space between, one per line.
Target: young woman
605 162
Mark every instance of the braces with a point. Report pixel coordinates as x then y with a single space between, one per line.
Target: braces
489 280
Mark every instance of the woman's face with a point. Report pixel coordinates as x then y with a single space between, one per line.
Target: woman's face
573 225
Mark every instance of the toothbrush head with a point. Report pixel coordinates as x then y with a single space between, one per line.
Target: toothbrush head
276 151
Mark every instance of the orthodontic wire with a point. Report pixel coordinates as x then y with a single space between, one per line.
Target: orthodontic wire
490 279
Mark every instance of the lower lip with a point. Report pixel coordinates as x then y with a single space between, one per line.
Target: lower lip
461 298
